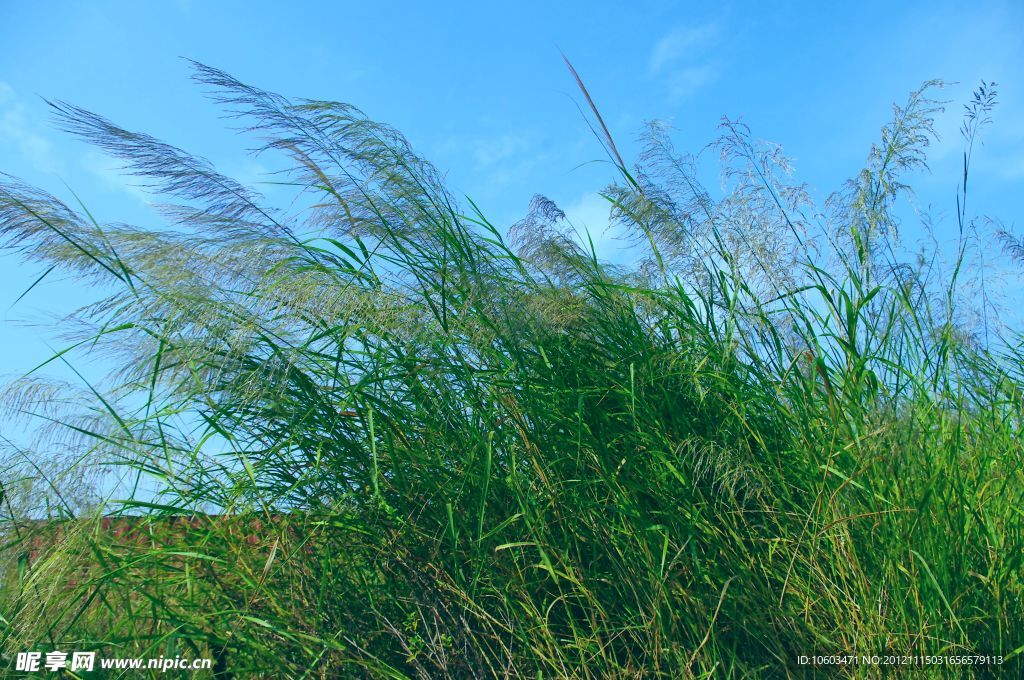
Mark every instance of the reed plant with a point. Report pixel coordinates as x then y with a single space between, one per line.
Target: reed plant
473 452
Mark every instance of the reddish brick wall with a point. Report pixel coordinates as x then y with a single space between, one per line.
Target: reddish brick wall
33 539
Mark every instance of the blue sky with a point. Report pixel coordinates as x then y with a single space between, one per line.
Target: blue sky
480 89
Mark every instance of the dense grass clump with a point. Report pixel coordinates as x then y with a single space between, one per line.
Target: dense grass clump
467 454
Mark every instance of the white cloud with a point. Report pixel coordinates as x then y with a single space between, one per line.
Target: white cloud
493 150
1013 169
682 43
688 80
498 160
484 163
18 132
110 175
251 174
681 59
589 214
